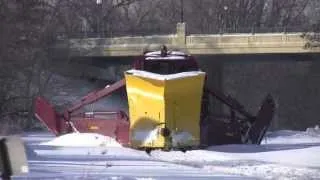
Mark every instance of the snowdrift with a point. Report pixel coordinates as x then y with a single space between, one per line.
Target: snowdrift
310 135
284 154
83 140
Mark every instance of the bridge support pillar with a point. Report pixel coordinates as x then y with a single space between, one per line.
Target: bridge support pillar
214 71
180 39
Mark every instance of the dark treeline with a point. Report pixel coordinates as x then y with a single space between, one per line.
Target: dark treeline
29 27
121 17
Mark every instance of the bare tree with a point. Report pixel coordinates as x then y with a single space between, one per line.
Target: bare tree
27 28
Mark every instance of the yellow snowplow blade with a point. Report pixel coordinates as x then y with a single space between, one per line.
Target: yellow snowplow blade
164 110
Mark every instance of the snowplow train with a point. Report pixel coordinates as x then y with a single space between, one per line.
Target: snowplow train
169 108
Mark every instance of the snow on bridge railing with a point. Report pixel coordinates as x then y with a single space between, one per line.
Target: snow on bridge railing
253 30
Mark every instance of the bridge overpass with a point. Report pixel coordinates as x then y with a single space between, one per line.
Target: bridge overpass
283 64
196 44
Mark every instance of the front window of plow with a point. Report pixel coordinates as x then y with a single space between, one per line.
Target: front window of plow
169 67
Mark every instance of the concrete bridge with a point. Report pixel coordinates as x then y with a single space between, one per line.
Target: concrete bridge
196 44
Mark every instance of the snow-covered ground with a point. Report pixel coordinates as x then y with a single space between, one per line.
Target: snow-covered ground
282 155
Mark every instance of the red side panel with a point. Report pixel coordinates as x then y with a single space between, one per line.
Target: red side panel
123 133
112 124
47 115
100 126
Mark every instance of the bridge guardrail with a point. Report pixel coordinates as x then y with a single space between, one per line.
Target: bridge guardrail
252 30
106 34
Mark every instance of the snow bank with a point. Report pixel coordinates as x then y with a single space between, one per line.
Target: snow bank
267 161
267 171
162 77
305 157
310 135
83 140
282 147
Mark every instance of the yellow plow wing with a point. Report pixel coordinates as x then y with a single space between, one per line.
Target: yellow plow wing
164 110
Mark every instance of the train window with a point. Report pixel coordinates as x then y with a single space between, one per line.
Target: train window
168 66
158 67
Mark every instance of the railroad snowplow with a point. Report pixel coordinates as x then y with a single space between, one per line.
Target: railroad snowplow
169 108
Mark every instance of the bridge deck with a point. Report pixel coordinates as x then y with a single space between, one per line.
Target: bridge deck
197 44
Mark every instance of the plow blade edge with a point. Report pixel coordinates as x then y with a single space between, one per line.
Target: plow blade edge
263 121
